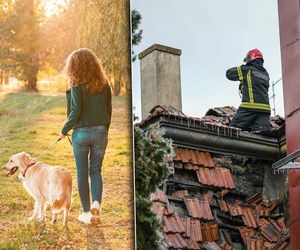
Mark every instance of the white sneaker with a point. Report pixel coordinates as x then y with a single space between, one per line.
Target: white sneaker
85 217
95 208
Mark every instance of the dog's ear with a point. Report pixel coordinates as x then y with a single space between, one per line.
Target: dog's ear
26 159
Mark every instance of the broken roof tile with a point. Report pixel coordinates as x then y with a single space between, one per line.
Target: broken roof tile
194 156
255 243
264 211
280 222
249 217
269 230
217 117
178 164
199 209
173 224
174 241
168 210
247 233
255 199
224 245
268 245
192 229
191 244
158 209
190 166
227 111
210 246
210 232
223 206
235 209
218 177
180 194
159 195
281 244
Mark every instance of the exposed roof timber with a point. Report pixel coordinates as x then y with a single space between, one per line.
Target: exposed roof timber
221 140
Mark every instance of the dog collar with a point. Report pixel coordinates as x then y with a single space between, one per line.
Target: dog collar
32 164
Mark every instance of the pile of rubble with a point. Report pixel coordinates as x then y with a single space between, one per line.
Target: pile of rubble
202 206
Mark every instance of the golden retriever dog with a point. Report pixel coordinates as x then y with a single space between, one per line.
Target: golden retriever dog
47 185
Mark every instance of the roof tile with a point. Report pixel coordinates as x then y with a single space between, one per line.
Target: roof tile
159 195
211 246
192 229
235 209
219 117
218 177
281 224
269 230
209 232
255 199
265 211
255 243
227 111
268 245
199 209
247 233
180 194
281 244
224 245
249 217
173 224
178 164
174 241
158 208
223 206
168 210
194 156
191 244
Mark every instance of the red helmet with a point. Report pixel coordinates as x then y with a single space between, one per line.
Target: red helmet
252 55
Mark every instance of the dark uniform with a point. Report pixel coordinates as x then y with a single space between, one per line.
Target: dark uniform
254 111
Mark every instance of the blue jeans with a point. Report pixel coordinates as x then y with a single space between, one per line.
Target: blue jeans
89 144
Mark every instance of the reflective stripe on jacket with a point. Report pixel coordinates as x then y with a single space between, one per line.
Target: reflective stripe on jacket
255 86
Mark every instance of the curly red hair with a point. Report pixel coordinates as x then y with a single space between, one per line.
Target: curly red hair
84 67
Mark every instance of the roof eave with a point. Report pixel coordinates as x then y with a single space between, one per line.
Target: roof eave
221 140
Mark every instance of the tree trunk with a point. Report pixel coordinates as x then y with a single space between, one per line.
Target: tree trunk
31 84
117 87
128 41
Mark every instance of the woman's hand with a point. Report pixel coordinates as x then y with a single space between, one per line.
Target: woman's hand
60 136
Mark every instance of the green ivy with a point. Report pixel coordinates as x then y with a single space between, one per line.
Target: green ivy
152 154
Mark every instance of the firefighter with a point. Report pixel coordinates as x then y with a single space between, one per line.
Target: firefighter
254 112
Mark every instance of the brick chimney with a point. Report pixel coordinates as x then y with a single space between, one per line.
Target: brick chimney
160 78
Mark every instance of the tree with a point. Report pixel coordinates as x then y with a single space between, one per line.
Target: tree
26 42
20 39
136 32
152 153
6 37
55 48
104 28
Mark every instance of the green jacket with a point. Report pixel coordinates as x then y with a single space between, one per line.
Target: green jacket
85 110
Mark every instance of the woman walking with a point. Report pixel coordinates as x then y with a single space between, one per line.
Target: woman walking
89 114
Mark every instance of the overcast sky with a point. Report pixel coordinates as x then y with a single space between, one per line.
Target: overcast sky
213 36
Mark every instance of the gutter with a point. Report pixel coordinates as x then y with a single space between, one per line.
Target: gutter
219 139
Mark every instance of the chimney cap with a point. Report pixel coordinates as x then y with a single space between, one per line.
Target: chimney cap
160 47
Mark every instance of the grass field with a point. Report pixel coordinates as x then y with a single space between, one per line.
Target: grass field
30 122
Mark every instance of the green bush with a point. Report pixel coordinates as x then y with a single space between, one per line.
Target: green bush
152 153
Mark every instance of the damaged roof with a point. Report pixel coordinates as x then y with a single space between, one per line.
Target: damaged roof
212 215
219 116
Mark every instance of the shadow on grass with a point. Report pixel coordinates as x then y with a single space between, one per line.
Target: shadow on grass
95 237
